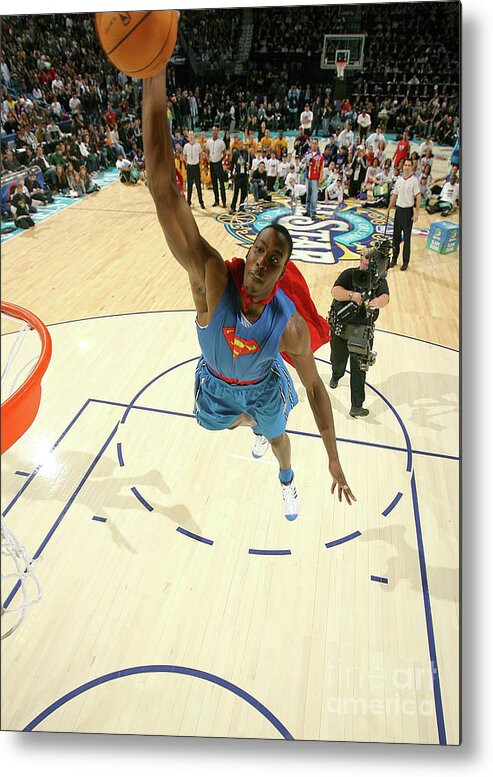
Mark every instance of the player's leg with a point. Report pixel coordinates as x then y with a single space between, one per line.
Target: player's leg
243 420
281 447
270 405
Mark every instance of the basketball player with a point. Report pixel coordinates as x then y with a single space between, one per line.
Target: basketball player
243 320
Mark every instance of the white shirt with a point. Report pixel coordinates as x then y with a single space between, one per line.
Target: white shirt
291 180
335 191
450 193
256 161
215 147
74 104
192 152
123 164
406 189
272 167
282 170
424 145
364 121
375 139
306 119
346 138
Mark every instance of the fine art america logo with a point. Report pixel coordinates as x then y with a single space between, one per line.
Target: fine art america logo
336 234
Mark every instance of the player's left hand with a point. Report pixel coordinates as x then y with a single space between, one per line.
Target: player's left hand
339 481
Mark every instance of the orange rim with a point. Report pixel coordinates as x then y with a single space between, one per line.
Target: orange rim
33 381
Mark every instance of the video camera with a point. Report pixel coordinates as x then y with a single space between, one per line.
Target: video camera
342 314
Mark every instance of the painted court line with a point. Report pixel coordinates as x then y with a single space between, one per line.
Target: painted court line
341 540
141 499
395 501
163 668
194 536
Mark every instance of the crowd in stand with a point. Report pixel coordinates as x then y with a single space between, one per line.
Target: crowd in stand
67 110
353 166
214 34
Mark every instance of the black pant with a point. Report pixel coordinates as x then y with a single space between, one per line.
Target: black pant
403 224
193 177
339 354
241 187
217 177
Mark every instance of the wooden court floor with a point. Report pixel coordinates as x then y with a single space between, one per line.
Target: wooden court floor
176 598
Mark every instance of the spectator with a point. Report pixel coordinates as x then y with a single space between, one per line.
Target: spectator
35 191
359 167
10 161
90 186
306 119
258 180
447 200
301 143
364 123
272 169
59 183
216 150
239 162
402 150
314 164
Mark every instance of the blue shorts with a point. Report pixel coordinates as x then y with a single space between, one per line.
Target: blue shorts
218 404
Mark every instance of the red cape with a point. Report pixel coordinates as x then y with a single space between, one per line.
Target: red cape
296 288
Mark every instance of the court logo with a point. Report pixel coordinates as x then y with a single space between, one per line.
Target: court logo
338 233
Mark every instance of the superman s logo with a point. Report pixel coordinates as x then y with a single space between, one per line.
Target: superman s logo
239 346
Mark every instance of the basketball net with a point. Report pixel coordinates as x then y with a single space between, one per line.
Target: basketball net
21 576
340 67
19 585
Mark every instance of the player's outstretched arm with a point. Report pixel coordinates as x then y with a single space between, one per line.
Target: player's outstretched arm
296 342
207 271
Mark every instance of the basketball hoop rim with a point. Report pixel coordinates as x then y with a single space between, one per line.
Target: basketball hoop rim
33 381
340 67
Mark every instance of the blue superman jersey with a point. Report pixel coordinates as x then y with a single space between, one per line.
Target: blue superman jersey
242 353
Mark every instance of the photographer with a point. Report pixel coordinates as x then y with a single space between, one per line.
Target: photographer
368 303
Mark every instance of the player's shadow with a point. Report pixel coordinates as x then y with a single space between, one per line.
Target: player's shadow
106 490
443 582
428 396
340 398
437 280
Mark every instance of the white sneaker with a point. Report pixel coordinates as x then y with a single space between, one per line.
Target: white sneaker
290 499
260 446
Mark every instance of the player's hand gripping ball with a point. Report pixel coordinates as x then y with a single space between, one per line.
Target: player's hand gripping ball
139 43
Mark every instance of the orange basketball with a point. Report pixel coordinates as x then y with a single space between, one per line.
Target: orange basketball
138 42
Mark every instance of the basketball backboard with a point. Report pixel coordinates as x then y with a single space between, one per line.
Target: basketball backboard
354 44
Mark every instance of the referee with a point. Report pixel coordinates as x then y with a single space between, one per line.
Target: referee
216 150
406 199
191 152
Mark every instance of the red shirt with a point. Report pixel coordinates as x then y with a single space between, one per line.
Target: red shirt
402 151
315 166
